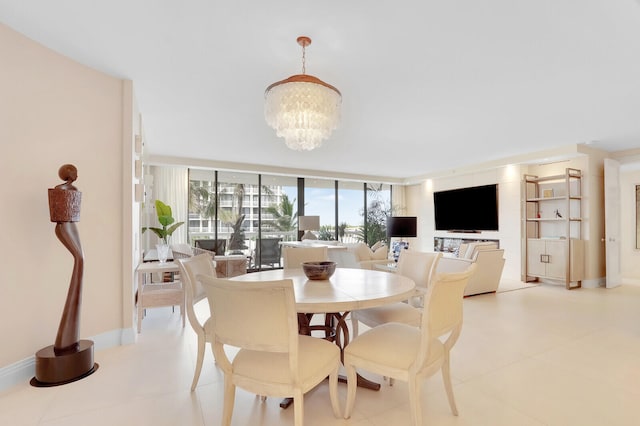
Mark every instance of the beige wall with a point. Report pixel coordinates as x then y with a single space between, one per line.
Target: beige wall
629 254
55 111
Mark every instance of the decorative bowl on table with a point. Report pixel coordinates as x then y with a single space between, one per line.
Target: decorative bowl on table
319 270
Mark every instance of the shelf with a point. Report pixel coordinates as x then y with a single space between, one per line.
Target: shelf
572 174
559 198
551 246
553 219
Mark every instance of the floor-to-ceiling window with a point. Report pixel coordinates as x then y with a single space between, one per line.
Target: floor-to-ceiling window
320 200
202 205
238 212
278 219
350 211
251 213
378 208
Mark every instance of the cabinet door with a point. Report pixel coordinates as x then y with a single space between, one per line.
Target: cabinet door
535 249
557 254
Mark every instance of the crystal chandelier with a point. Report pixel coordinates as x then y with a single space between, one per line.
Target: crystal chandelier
303 109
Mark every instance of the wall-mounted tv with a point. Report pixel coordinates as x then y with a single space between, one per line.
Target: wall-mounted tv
470 209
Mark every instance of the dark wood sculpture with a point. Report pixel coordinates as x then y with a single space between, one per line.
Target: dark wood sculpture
69 359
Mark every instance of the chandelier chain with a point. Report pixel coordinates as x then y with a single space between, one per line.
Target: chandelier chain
304 59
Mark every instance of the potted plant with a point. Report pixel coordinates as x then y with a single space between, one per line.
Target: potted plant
169 225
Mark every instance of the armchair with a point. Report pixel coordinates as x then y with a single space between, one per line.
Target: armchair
366 257
486 278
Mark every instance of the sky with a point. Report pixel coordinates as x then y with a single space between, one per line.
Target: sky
320 201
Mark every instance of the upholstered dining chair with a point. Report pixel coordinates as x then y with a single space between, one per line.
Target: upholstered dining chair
292 257
409 353
420 267
260 319
190 269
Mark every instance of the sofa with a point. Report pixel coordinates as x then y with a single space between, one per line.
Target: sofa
489 264
359 255
469 250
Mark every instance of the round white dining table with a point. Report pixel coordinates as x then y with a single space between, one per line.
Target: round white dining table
346 290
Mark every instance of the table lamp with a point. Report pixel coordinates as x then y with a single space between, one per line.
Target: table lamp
308 224
403 227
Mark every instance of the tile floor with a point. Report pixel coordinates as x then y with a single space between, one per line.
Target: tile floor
535 356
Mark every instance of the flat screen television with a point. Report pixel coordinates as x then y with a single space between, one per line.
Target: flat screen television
470 209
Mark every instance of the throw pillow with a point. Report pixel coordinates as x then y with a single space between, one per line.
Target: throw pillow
380 253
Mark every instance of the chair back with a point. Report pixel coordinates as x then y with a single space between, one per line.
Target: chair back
190 268
268 251
419 266
181 250
217 246
443 309
258 316
294 256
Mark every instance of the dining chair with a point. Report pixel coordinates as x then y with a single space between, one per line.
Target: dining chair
292 257
190 268
420 267
409 353
268 252
217 246
260 319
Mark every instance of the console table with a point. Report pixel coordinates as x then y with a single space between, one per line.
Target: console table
452 244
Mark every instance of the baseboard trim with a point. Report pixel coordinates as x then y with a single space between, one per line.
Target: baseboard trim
23 370
631 281
595 283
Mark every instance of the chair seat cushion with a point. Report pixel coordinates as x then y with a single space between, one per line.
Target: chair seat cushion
395 312
315 355
394 345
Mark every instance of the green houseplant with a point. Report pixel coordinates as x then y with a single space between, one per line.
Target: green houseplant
165 217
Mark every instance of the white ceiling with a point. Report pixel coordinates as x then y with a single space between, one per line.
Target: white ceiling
427 85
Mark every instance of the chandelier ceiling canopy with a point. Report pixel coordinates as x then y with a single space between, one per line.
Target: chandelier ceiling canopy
303 109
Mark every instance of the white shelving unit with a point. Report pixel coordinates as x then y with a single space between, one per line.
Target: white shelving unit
552 246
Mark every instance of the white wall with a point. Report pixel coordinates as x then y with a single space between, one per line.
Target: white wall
420 203
55 111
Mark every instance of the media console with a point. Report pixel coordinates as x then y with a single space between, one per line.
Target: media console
451 245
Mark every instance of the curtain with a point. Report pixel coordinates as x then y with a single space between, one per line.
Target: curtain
171 186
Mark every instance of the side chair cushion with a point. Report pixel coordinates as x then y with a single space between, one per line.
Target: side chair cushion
393 345
316 357
396 312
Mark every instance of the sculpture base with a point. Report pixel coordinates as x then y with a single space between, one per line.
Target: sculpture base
58 369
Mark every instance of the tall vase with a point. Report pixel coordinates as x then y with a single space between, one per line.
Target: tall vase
163 252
